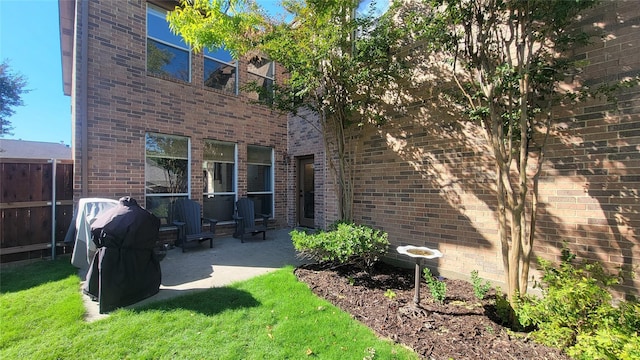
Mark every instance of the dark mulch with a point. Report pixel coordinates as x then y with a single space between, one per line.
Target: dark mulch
461 328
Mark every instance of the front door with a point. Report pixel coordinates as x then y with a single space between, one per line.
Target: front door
306 192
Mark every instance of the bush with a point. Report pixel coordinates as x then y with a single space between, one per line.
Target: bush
334 225
503 308
480 289
347 243
576 313
437 287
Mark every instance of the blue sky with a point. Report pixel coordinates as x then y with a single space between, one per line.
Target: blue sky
30 41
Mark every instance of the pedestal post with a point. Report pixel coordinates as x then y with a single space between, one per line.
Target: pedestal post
416 296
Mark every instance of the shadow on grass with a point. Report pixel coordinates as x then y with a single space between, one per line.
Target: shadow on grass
207 302
23 277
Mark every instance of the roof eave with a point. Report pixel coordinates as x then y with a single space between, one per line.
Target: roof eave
66 12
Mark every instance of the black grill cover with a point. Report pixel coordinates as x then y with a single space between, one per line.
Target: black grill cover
125 268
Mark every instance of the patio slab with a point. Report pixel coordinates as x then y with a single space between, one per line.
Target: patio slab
227 262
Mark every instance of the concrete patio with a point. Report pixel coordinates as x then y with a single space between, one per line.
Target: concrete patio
228 261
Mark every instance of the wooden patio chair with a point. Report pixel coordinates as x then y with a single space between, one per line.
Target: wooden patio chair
187 218
246 221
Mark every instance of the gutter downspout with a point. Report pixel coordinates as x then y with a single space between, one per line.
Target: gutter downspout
84 113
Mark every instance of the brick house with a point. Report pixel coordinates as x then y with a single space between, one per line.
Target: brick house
156 121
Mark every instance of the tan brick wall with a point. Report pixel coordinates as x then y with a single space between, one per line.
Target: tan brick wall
429 180
125 102
431 186
591 182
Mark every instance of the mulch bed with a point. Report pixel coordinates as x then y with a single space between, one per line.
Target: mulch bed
461 328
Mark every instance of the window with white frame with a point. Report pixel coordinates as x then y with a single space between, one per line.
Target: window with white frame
220 71
167 53
261 73
166 173
219 174
260 178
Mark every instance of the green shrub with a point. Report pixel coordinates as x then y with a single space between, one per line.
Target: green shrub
606 344
479 289
503 307
334 225
575 312
615 338
347 243
437 287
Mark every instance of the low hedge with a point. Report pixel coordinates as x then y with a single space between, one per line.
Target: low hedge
346 243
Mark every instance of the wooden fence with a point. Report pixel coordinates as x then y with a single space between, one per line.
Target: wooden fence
36 205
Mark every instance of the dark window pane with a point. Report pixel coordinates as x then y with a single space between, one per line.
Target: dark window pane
261 66
158 28
220 151
259 155
258 178
218 177
160 207
166 175
260 73
221 54
167 146
220 76
167 60
264 87
219 207
309 188
263 203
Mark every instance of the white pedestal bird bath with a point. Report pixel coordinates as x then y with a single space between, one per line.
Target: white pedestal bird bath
417 253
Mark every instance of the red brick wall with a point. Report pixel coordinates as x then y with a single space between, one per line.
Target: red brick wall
428 180
305 139
125 102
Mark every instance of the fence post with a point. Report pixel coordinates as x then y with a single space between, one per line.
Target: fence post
54 166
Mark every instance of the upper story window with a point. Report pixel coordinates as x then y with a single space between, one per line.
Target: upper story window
261 72
220 71
167 53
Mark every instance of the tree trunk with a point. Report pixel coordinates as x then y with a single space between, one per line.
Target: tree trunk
333 130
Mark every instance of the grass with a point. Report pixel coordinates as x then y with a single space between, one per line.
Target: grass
269 317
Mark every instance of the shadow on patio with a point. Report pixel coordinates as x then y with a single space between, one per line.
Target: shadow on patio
228 261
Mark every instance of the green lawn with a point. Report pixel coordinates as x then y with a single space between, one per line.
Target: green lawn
269 317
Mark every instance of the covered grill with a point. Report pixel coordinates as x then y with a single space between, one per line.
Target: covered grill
125 268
